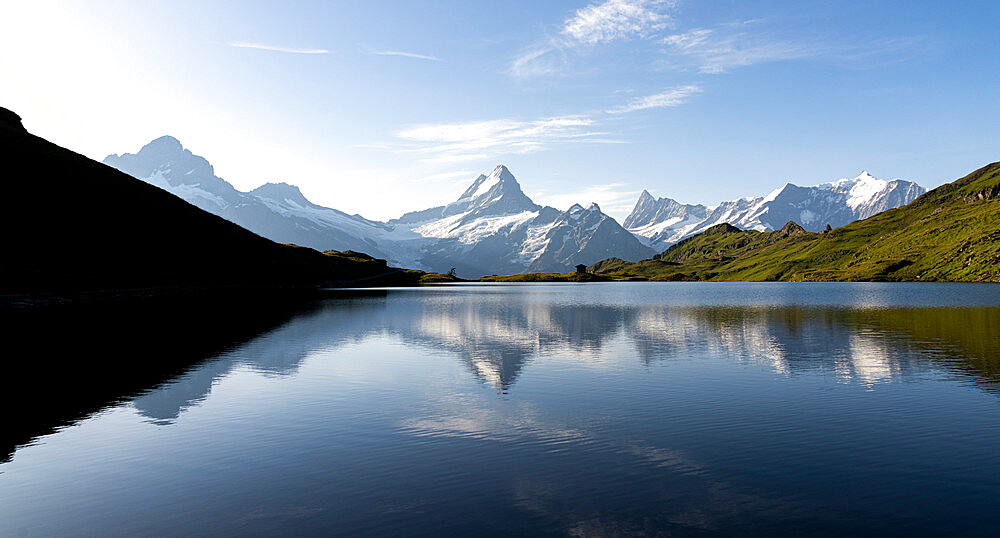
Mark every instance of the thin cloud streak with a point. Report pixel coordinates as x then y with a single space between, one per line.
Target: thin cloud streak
447 176
453 159
466 141
407 55
273 48
713 52
538 61
670 98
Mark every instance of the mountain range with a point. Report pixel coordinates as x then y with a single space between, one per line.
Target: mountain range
104 231
951 233
662 222
277 211
492 228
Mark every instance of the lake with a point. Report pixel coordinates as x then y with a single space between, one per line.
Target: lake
552 409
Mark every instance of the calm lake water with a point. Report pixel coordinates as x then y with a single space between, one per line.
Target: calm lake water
596 409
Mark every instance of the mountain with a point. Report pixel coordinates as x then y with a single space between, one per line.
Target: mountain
103 231
663 222
277 211
492 228
951 233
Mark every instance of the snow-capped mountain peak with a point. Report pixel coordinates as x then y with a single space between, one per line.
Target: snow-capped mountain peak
484 184
281 192
660 223
650 211
494 227
165 144
168 151
497 193
164 162
860 190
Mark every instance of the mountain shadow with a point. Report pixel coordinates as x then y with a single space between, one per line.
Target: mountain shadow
63 364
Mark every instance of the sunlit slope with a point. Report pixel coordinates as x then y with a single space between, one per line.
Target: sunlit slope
71 224
952 233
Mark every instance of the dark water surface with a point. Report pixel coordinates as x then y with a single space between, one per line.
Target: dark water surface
597 409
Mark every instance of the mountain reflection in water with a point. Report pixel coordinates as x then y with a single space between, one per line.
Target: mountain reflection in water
497 337
646 408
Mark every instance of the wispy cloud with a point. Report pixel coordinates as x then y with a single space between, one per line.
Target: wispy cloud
670 98
604 22
613 198
406 55
742 44
616 19
447 176
468 141
538 60
715 51
454 158
274 48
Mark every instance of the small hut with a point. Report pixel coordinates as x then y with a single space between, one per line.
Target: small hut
581 269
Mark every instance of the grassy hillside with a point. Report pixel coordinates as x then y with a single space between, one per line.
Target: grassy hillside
73 225
951 233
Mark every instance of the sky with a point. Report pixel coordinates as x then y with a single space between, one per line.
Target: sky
379 108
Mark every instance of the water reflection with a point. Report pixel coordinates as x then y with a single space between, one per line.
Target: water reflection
497 336
587 410
858 345
493 336
276 352
63 364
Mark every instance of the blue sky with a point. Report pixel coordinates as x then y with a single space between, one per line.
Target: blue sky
382 107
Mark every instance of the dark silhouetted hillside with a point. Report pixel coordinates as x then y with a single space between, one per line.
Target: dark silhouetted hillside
74 225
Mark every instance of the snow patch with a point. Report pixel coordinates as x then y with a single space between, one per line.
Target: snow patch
485 186
772 196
